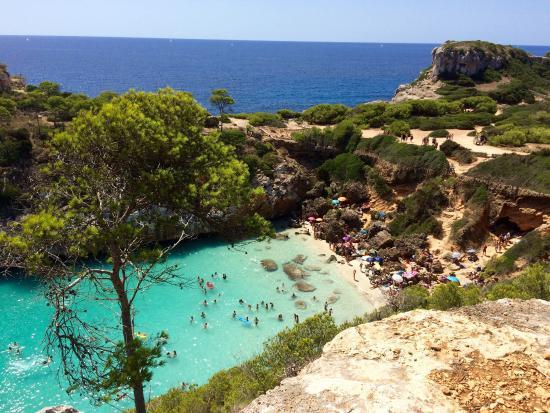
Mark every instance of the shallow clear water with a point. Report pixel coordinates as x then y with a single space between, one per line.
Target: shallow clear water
26 385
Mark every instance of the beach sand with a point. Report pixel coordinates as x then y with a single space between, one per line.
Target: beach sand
374 297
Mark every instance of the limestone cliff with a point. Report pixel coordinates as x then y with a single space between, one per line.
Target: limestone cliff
489 357
5 80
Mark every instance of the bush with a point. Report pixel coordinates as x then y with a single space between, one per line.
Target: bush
533 282
457 152
398 128
416 212
343 168
439 133
447 296
513 93
525 171
289 114
533 247
513 137
325 114
346 135
266 119
314 137
413 297
234 137
380 186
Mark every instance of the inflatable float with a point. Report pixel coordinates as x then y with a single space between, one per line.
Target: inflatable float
210 285
244 321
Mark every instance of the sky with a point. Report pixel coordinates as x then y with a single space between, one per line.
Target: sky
523 22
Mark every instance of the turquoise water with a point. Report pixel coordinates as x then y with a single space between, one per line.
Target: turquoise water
26 385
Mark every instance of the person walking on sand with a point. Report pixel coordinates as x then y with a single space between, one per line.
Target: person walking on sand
484 250
354 277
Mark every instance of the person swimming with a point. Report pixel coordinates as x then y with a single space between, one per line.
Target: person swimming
224 276
205 326
278 289
203 316
215 301
280 317
47 361
249 307
234 314
256 321
241 301
191 319
205 303
293 296
271 305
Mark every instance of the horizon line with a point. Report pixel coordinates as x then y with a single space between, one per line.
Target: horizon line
247 40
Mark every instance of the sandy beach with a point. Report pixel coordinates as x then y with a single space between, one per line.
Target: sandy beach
374 297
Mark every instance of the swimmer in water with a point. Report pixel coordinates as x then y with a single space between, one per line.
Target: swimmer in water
224 277
192 319
234 314
280 317
257 307
203 316
256 321
271 305
215 301
241 301
249 307
47 362
205 303
278 289
293 296
205 326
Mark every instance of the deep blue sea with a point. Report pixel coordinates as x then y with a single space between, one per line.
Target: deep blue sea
262 76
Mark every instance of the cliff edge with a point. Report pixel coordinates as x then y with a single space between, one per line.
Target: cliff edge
489 357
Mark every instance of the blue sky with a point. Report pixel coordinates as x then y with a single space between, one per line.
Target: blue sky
525 22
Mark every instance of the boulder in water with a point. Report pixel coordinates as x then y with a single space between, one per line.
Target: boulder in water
332 298
304 286
299 259
337 291
312 268
332 258
58 409
269 265
300 304
293 271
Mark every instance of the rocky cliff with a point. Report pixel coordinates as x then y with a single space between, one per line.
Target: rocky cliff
5 80
490 357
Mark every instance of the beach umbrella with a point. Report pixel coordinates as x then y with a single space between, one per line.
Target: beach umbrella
455 255
471 251
377 266
364 231
453 279
311 219
409 275
397 278
319 220
335 202
342 199
347 238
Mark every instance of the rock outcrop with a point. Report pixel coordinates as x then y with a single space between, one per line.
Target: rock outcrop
293 271
485 358
269 265
285 190
58 409
5 79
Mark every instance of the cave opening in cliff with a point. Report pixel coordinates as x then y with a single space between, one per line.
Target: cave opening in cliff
504 225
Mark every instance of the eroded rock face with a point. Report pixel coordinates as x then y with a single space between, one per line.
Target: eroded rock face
415 361
299 259
469 61
285 190
5 80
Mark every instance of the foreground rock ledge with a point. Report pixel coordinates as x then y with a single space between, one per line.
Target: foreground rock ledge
489 357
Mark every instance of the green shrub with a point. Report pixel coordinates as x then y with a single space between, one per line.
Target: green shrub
289 114
533 247
266 119
343 168
513 137
398 128
325 114
491 75
533 282
314 137
346 135
398 111
9 194
439 133
234 137
479 104
5 115
525 171
413 297
513 93
447 296
415 213
457 152
380 186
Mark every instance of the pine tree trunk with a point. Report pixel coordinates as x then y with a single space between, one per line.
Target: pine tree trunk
127 331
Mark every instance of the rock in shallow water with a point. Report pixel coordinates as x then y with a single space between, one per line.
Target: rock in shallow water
299 259
269 265
58 409
305 287
300 304
293 271
312 268
332 299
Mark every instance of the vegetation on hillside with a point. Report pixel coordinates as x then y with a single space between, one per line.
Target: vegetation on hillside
523 171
